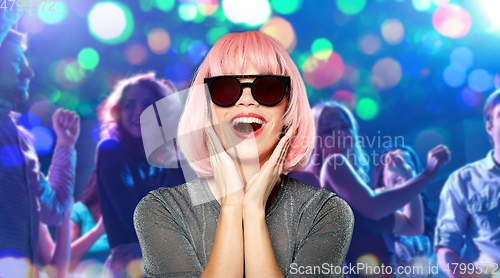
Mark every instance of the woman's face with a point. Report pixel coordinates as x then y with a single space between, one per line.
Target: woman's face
266 134
137 99
335 132
392 179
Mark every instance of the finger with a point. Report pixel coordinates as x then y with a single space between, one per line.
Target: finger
281 160
280 147
68 119
217 146
76 123
55 116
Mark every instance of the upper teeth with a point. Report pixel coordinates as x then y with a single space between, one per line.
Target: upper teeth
247 120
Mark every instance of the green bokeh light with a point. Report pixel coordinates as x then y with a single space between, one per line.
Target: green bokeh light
188 12
286 6
165 5
74 73
146 5
54 96
322 48
351 7
215 33
421 5
366 108
185 44
53 12
69 100
88 58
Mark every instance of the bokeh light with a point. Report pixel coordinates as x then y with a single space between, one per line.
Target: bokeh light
187 12
462 56
452 21
31 23
321 73
428 139
369 44
412 63
44 140
393 31
369 260
53 12
345 96
159 41
431 43
322 48
351 7
250 12
196 52
88 58
468 98
480 80
89 268
206 7
361 77
82 8
454 75
165 5
111 22
286 6
386 73
421 5
215 33
14 267
282 31
69 74
29 120
366 109
491 8
135 53
135 268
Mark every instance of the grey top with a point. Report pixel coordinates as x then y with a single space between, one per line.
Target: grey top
309 227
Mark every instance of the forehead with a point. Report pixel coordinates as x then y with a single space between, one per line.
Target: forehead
10 49
139 93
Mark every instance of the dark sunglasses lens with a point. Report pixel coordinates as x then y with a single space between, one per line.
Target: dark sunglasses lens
268 90
225 91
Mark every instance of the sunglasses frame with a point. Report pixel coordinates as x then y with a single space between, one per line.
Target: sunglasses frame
284 79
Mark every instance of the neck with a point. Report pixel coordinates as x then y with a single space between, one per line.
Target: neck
496 155
5 107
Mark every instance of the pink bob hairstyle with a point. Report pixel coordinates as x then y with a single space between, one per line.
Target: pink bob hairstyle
269 57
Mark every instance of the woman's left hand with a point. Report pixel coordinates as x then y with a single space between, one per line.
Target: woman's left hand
260 186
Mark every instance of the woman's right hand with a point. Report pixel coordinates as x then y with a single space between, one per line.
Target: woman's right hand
395 162
229 184
435 158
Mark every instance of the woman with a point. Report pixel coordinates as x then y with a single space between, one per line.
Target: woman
259 224
88 236
124 176
410 244
374 213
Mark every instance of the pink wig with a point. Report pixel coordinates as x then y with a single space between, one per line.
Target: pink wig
269 57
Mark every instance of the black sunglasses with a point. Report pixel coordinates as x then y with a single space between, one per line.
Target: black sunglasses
267 90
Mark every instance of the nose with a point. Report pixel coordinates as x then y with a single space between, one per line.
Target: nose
27 72
246 98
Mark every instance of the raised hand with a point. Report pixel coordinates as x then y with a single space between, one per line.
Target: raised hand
260 186
435 158
395 162
67 127
229 184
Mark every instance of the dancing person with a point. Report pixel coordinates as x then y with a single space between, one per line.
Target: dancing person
123 174
88 235
26 196
468 216
338 165
242 217
414 235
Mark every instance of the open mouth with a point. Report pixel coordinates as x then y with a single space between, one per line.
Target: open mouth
244 127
